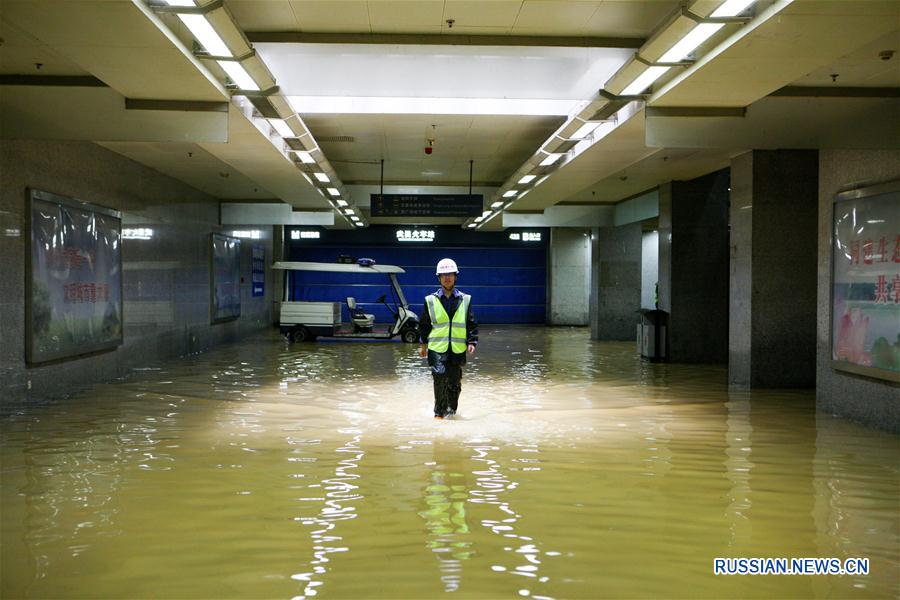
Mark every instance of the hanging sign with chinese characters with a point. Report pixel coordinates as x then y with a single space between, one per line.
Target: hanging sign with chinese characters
866 282
426 205
526 236
415 235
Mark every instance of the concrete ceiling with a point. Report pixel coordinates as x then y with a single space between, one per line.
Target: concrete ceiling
136 54
616 18
497 144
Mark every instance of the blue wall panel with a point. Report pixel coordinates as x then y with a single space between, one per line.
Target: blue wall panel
508 285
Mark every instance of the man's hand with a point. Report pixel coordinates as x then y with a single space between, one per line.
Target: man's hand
423 350
471 348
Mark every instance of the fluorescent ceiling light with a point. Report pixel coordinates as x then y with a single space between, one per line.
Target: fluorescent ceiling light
689 43
585 129
644 80
527 179
470 225
306 158
510 193
341 202
479 219
485 213
180 2
428 106
551 158
354 218
322 177
238 75
731 8
334 191
358 224
283 129
348 211
204 33
497 204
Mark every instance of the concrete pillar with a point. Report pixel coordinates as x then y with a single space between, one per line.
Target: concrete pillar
772 325
616 282
693 267
570 261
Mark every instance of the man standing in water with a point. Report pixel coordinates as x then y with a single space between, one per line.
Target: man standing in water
447 330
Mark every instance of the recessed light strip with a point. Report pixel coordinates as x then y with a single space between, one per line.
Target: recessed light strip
641 76
276 109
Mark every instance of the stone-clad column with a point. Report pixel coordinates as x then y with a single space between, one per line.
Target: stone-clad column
774 210
569 276
616 282
693 267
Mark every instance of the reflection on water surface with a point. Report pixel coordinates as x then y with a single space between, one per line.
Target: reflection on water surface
574 470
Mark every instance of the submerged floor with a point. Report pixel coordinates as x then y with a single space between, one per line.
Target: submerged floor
574 470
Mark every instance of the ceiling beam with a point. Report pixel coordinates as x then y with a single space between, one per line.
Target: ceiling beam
52 80
837 92
422 39
784 122
176 105
100 114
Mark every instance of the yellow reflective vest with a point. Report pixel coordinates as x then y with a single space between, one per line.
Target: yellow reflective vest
447 332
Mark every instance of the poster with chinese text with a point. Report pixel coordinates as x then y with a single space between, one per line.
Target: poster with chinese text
225 288
257 271
866 282
74 291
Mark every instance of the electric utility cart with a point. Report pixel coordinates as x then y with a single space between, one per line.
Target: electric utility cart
304 321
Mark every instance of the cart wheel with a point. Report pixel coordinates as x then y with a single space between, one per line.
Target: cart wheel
301 334
410 335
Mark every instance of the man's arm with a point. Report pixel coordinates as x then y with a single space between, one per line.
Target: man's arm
425 326
424 330
471 328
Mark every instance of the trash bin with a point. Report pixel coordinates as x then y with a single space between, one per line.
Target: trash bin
651 334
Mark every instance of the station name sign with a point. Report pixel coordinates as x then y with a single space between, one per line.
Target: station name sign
426 205
415 235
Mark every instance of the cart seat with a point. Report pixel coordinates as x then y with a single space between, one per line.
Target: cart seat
359 318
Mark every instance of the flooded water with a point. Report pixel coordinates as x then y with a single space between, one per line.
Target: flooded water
573 470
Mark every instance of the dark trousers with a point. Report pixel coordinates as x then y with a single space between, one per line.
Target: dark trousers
447 386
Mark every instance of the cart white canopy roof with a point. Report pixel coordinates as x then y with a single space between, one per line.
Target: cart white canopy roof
336 267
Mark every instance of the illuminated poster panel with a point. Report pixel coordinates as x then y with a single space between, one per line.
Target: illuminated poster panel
225 275
73 296
865 302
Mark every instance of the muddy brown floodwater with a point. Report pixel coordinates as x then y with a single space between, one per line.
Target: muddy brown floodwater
574 470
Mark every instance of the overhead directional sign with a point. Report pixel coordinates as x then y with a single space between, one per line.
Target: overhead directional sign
426 205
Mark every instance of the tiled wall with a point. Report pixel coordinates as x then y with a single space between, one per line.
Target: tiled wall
871 401
165 279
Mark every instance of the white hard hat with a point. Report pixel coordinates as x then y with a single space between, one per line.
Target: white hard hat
446 265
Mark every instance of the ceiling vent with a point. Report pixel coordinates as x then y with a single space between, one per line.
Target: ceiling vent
336 138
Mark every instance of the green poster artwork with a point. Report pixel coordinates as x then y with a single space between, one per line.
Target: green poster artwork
74 278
